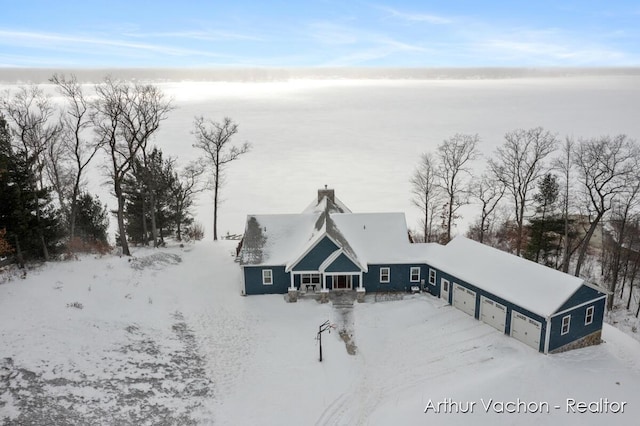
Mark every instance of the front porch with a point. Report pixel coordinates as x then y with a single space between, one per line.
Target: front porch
319 286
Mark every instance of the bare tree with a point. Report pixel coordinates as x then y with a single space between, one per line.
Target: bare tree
454 156
489 192
603 165
188 184
150 109
126 117
565 165
518 164
215 140
622 214
427 193
76 120
31 115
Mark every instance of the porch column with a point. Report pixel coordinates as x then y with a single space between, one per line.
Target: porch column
360 291
292 291
324 282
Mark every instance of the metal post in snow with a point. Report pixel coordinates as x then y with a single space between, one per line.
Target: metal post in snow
321 329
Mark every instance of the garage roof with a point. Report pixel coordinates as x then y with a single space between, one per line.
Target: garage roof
534 287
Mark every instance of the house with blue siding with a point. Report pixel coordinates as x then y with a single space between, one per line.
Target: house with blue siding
328 248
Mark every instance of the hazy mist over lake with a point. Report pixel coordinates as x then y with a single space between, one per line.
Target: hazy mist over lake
362 131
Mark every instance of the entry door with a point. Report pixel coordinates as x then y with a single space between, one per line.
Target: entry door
444 289
342 282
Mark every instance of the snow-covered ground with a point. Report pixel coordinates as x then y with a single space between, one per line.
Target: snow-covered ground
166 338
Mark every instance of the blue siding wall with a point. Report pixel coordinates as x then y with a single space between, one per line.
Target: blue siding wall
253 280
317 255
434 289
577 328
399 277
343 264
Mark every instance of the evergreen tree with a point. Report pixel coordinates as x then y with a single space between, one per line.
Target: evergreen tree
149 200
547 226
31 235
92 219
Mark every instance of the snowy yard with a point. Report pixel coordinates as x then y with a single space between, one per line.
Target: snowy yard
165 338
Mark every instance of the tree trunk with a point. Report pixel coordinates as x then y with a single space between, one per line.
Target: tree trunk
520 223
450 219
45 250
123 236
215 208
483 219
633 276
154 229
145 231
19 255
426 223
585 244
72 216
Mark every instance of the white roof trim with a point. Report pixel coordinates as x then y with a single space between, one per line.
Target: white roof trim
334 256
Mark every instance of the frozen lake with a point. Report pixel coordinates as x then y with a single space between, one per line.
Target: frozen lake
364 137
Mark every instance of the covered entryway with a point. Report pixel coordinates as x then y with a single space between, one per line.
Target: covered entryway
526 329
342 282
493 313
444 289
464 299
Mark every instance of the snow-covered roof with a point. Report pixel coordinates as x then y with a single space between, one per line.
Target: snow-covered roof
275 239
535 287
326 204
364 237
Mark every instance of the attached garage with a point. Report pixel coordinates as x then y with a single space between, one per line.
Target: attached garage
526 329
493 313
464 299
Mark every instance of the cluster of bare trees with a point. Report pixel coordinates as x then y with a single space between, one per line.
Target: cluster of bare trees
543 198
55 144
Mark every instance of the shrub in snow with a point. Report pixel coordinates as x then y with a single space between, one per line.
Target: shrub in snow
195 232
76 305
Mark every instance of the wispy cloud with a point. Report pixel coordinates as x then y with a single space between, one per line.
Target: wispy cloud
415 17
81 43
356 46
204 35
549 47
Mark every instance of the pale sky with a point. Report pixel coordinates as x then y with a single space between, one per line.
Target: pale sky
321 33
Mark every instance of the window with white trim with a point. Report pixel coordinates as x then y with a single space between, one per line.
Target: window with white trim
267 277
588 318
384 275
432 276
415 274
566 322
310 279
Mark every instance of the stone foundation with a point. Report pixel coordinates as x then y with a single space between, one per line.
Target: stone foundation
324 296
293 295
590 340
360 292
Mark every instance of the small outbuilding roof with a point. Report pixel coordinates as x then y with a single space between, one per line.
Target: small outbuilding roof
534 287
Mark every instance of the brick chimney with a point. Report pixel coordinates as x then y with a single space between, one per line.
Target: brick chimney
329 193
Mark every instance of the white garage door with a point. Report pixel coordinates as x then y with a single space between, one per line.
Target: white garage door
493 313
464 299
525 329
